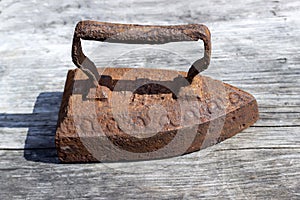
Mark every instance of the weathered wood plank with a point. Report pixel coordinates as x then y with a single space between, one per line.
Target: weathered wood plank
230 174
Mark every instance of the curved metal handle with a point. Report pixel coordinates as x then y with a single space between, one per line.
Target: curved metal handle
138 34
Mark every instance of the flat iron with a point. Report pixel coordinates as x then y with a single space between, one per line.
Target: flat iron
126 114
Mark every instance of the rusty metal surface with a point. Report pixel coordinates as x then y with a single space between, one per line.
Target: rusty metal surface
129 127
136 114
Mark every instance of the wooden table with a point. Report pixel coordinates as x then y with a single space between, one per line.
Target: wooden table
256 47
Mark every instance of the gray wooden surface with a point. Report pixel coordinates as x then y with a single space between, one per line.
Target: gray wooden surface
256 47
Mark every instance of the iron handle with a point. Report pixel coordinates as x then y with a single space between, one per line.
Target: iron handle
137 34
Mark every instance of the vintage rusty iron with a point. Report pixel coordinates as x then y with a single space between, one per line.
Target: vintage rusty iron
120 114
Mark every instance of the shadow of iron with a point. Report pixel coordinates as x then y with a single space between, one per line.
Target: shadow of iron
41 123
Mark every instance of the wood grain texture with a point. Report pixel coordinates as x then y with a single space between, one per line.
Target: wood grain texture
256 47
